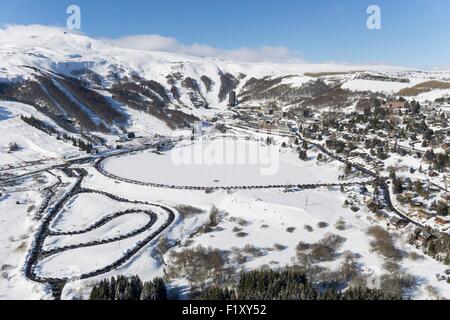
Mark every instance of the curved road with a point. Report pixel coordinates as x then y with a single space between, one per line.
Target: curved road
37 253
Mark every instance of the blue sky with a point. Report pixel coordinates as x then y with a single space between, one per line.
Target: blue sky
414 32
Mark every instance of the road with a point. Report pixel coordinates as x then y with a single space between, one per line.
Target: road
47 213
377 177
37 252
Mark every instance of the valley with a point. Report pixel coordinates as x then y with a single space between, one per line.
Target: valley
124 162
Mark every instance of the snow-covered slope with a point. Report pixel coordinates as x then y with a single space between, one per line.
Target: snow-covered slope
103 88
33 145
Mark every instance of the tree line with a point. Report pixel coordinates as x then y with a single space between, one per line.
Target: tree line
42 126
123 288
287 284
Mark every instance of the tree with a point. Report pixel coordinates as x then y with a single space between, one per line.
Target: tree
122 288
442 208
398 186
303 155
348 169
392 174
429 155
12 147
418 187
154 290
287 284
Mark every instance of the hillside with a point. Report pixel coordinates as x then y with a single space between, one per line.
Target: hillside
88 85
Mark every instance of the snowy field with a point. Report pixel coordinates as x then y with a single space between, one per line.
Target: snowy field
117 227
78 261
265 217
16 235
83 210
223 162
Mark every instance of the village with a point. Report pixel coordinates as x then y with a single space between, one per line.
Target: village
403 141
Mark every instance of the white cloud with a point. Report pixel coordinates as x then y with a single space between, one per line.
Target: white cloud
154 42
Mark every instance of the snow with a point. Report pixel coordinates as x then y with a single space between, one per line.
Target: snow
56 50
433 95
63 51
118 227
376 86
33 143
279 210
223 162
17 228
75 214
75 262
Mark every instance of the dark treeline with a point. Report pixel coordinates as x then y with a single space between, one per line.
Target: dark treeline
439 161
42 126
287 285
253 285
38 124
122 288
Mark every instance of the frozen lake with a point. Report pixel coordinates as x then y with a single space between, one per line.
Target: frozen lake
223 162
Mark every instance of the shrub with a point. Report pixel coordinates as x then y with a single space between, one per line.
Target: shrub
321 251
236 229
279 247
322 225
242 222
415 256
290 229
398 284
241 234
391 266
198 265
383 243
253 251
340 225
188 211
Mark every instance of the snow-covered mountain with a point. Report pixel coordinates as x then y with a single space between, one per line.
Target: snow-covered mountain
89 85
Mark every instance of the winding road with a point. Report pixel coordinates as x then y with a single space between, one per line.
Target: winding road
38 253
47 213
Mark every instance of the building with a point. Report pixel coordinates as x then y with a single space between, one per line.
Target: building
443 220
398 222
424 236
446 146
396 104
201 127
165 146
232 99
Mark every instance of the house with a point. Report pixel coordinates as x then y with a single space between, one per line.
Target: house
433 174
123 138
165 146
201 127
424 236
443 220
398 222
416 203
396 104
380 215
446 146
